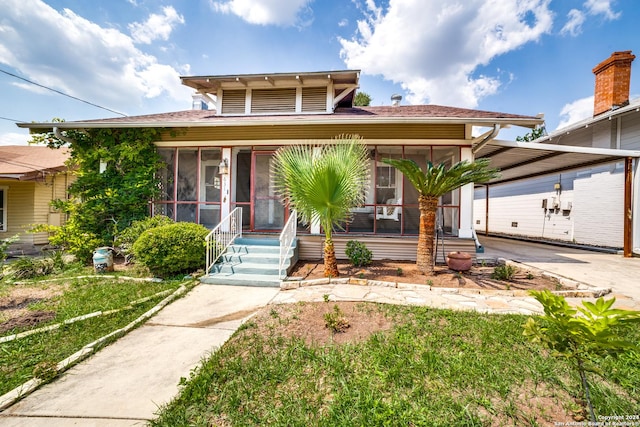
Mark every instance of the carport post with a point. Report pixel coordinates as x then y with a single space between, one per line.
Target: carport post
486 211
628 211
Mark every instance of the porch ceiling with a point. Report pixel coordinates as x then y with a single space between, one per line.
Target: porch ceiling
521 160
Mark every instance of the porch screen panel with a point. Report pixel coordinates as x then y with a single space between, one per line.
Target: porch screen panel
450 202
187 182
186 212
166 174
210 187
268 209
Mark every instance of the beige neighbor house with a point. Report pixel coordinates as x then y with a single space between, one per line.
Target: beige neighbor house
579 184
218 155
30 178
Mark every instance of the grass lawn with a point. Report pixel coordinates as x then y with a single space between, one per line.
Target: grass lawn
414 366
62 300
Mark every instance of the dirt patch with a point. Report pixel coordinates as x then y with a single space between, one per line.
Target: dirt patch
14 306
307 321
479 277
27 320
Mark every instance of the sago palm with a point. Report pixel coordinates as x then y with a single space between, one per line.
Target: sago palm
323 183
432 183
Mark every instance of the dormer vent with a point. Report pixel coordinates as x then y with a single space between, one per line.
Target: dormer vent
395 99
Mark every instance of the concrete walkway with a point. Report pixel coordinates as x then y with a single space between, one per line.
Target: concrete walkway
125 383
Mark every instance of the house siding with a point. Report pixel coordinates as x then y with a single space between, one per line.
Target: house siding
630 134
263 134
20 206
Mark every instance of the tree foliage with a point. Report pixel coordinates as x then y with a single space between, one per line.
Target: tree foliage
105 202
362 99
537 132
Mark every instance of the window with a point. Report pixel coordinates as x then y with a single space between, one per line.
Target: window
3 209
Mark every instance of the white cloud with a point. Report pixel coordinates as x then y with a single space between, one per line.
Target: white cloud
14 138
266 12
69 53
602 7
575 17
156 26
576 111
435 48
573 26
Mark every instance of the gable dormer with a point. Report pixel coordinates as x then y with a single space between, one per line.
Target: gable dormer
280 93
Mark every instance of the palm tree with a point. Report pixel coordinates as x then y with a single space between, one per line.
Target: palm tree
432 183
323 183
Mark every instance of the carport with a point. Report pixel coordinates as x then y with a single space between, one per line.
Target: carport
522 160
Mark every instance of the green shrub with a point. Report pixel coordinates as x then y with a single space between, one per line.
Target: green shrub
125 240
172 249
504 272
358 254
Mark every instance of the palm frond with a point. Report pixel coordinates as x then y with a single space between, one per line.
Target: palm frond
323 182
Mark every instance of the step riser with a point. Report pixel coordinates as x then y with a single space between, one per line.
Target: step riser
240 269
250 262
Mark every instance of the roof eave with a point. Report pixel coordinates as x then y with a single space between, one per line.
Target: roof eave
48 127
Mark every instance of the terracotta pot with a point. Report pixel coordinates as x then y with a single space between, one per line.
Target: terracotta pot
459 261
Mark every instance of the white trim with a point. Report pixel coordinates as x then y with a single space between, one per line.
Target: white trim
3 213
465 229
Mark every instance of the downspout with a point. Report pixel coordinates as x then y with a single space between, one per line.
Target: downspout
487 138
61 137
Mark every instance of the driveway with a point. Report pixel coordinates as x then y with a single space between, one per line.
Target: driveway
598 269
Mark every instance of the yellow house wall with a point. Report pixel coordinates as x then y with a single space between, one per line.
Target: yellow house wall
19 210
28 203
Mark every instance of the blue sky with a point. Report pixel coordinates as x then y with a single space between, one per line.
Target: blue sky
514 56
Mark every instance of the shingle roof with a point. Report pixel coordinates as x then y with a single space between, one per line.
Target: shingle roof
25 161
380 113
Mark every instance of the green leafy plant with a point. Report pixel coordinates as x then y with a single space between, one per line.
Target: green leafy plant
46 370
172 249
335 320
4 246
579 333
29 268
504 272
358 253
125 240
104 201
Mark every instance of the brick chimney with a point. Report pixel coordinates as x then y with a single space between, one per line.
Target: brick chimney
613 76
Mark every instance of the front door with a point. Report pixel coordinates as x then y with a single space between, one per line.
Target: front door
267 211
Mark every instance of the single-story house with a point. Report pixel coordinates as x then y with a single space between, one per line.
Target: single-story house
218 154
580 198
30 178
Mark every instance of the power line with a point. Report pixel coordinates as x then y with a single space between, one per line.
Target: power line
11 120
61 93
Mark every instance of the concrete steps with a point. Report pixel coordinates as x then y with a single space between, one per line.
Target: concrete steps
251 262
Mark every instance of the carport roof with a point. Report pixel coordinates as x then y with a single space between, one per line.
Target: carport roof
522 160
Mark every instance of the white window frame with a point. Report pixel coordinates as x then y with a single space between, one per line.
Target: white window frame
3 212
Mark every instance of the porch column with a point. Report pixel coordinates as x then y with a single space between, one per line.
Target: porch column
635 208
315 225
466 201
225 184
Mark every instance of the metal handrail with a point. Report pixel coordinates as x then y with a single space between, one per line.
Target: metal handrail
223 235
287 238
